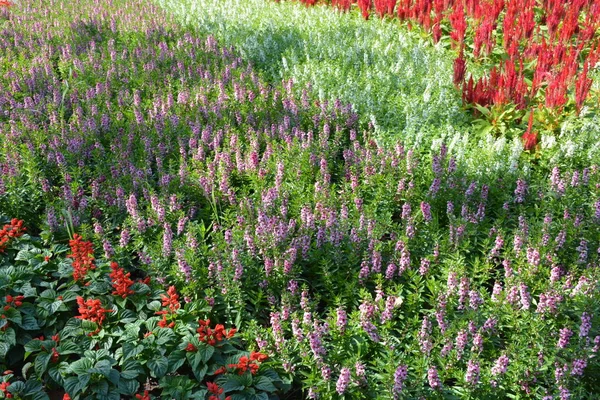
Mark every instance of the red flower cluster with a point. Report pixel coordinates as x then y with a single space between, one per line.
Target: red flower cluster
171 301
13 230
215 389
15 301
82 254
91 310
120 281
5 3
215 335
245 363
4 389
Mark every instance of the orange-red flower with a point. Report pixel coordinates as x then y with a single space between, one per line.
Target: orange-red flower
66 397
190 347
214 388
82 253
12 230
120 281
55 355
4 389
213 336
5 3
171 300
145 396
91 310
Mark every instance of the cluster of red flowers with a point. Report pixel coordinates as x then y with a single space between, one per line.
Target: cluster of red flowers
91 310
4 389
214 335
14 301
82 253
249 363
171 301
55 354
120 281
5 3
215 391
13 230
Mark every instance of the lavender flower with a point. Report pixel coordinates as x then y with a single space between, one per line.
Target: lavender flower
433 378
472 375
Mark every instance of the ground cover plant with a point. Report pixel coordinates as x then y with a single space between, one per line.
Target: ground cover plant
330 264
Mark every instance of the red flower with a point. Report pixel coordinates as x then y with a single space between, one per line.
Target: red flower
171 300
91 310
190 347
145 396
220 371
4 389
55 355
214 388
66 397
530 138
13 230
257 356
5 3
120 281
82 254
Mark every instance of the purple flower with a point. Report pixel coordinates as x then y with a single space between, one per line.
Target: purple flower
586 324
578 367
399 377
343 381
501 365
433 378
426 210
472 375
564 336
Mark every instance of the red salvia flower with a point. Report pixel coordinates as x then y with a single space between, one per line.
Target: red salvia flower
171 300
4 389
55 354
145 396
82 253
191 348
66 397
5 3
91 310
10 231
214 388
120 281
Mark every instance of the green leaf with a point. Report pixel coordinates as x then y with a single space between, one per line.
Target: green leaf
154 305
131 369
29 323
158 366
72 386
41 363
200 373
232 384
81 366
263 383
128 387
176 360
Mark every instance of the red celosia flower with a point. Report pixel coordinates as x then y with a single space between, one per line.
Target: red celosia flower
214 388
91 310
82 254
120 281
529 138
12 230
145 396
